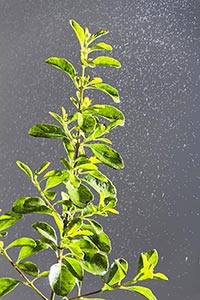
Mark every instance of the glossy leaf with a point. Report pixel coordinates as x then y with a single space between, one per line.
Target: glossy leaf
78 31
24 241
101 46
47 131
7 284
28 205
108 89
97 35
73 226
74 267
80 196
107 61
102 242
27 251
57 118
107 188
160 276
43 167
46 230
97 174
95 80
99 131
50 195
9 219
68 147
65 163
63 65
147 260
107 155
61 279
82 246
108 112
75 181
56 180
95 263
25 169
96 226
146 292
87 166
43 274
3 233
88 123
29 268
118 271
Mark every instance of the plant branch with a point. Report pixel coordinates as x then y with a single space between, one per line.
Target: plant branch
29 283
85 295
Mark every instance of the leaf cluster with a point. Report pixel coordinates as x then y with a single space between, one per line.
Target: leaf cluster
78 241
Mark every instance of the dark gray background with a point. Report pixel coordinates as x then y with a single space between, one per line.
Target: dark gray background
158 44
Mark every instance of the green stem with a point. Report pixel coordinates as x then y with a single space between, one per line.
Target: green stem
29 283
52 295
85 295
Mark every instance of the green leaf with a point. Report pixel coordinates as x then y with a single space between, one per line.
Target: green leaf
25 169
78 31
43 274
9 219
24 241
63 65
74 180
106 88
160 276
3 233
97 174
68 147
73 226
82 246
147 260
101 46
61 279
152 257
28 205
57 118
118 271
99 131
96 226
7 284
107 188
102 242
29 268
95 263
74 267
107 61
95 80
50 195
56 180
88 123
65 163
27 251
147 293
80 196
87 166
47 131
107 155
46 230
43 167
109 112
97 35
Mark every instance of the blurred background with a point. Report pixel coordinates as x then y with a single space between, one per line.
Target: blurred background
158 44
